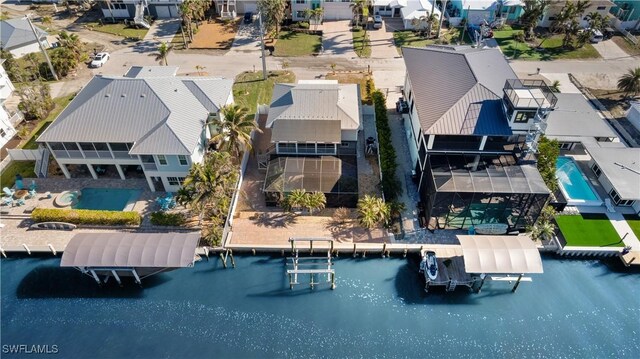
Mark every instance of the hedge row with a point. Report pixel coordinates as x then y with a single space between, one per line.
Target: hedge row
390 184
85 216
167 219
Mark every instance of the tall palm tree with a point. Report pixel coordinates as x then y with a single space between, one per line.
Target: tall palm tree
372 211
163 52
425 23
234 130
72 42
315 201
533 10
629 83
273 12
297 199
358 9
555 86
443 9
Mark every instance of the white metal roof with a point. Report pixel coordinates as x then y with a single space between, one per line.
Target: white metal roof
131 250
500 254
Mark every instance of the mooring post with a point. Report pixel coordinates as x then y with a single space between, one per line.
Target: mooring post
337 253
292 245
404 253
311 246
515 286
253 251
282 252
311 276
26 248
206 252
426 286
3 253
223 259
53 250
364 253
290 282
233 262
333 281
331 246
354 250
384 249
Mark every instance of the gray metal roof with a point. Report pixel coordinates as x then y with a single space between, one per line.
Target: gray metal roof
137 250
500 254
444 77
621 166
160 115
15 33
573 116
151 71
317 100
306 131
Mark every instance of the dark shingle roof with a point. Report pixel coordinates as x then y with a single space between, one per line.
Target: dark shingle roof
457 88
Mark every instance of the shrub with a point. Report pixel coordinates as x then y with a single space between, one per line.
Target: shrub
390 183
167 219
303 25
85 216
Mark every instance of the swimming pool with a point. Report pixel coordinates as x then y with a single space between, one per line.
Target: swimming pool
574 184
107 199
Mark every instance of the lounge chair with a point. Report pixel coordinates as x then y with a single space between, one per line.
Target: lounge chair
33 186
32 193
7 201
19 202
8 192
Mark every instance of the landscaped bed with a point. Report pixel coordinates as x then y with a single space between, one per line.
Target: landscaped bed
249 89
118 29
551 48
363 79
414 39
588 230
291 44
361 45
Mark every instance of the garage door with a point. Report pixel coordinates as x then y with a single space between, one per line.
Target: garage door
163 12
252 7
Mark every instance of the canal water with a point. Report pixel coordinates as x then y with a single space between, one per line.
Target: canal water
576 309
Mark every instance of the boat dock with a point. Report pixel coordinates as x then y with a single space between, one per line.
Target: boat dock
451 274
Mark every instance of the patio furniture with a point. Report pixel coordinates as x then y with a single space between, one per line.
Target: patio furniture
47 194
19 202
32 193
21 193
19 184
8 192
33 185
7 201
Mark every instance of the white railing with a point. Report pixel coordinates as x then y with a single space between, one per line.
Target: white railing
16 118
620 27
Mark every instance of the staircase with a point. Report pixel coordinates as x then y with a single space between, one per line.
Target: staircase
451 286
139 18
264 156
535 131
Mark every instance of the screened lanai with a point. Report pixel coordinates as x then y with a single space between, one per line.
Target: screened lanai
468 190
333 176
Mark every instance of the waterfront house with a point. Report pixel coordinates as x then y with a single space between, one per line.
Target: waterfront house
7 119
478 11
470 124
553 9
149 123
627 12
618 171
16 36
633 114
333 10
314 129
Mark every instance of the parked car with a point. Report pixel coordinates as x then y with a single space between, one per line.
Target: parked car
99 59
596 36
377 22
248 17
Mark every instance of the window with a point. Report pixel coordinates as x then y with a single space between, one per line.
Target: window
300 1
512 10
596 170
183 160
619 201
524 116
601 7
552 18
300 14
345 144
2 133
566 145
162 160
286 147
175 181
326 148
306 148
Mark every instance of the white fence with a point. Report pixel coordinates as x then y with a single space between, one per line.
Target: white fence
620 26
24 155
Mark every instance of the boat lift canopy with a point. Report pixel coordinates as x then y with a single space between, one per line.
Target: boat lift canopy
500 254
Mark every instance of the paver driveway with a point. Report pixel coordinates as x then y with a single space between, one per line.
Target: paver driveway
382 45
337 39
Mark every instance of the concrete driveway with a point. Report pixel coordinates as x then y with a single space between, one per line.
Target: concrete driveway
247 38
163 30
337 39
382 45
609 50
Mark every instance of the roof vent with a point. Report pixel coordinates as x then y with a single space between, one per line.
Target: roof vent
123 95
143 95
175 90
107 95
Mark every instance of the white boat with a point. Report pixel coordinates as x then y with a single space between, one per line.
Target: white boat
430 267
491 228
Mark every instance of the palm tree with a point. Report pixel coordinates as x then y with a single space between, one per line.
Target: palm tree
273 12
443 9
315 201
314 15
234 130
46 21
555 86
199 68
297 199
163 52
71 42
629 83
372 211
358 10
425 23
533 10
597 21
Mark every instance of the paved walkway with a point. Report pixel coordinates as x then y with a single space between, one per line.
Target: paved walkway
382 45
566 86
247 39
337 39
609 50
624 230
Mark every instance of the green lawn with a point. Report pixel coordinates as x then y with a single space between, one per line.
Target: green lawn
118 29
634 223
412 38
249 88
552 48
24 168
588 230
292 44
361 46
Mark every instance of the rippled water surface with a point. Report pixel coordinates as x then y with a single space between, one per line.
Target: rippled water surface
576 309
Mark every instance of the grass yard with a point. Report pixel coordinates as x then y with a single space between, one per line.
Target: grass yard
634 222
588 230
61 103
626 45
291 44
355 78
552 48
361 45
412 38
118 29
249 89
24 168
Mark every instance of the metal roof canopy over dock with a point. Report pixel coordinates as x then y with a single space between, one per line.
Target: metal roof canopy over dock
137 254
500 255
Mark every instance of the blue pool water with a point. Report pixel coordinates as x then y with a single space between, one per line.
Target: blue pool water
573 182
576 309
107 199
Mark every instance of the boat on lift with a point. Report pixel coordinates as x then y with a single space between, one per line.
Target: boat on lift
429 265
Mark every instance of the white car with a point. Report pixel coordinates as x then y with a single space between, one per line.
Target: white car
377 22
99 59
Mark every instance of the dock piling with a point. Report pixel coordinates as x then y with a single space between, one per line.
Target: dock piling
354 250
223 259
53 250
233 262
3 253
26 248
404 253
253 251
515 286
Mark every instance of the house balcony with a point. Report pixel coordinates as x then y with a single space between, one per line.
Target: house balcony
150 166
528 94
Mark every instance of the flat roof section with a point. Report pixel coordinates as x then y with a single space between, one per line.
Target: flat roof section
621 166
573 117
131 250
500 254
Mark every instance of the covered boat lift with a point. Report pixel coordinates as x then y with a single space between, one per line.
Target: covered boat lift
501 256
130 254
